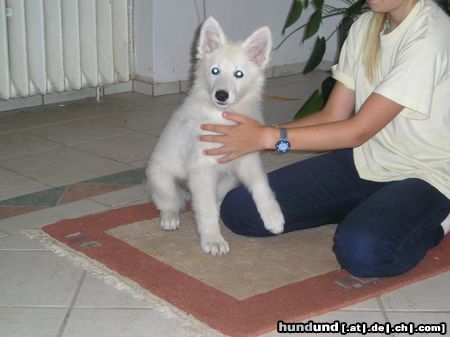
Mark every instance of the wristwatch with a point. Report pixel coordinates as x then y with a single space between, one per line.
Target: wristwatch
283 144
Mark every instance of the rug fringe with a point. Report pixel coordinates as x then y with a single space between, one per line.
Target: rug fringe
99 270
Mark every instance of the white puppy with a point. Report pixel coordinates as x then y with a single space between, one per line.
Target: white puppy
229 76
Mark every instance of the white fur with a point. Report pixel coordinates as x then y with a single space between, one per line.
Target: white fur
178 156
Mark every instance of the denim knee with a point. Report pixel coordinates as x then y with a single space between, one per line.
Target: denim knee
371 254
238 212
365 255
231 217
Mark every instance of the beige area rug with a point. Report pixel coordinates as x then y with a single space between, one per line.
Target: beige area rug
254 265
287 278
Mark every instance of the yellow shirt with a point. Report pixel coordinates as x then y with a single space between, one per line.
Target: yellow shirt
414 72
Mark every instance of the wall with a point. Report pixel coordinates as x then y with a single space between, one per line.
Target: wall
165 31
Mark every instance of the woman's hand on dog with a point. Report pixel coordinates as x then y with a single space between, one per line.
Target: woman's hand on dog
246 136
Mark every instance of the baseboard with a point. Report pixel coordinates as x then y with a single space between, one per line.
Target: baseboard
142 86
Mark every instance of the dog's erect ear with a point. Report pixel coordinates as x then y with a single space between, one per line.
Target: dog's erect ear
258 46
211 37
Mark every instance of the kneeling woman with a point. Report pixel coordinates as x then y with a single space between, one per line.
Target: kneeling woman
386 180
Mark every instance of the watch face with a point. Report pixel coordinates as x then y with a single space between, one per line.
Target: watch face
283 146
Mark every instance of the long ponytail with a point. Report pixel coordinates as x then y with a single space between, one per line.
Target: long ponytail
373 52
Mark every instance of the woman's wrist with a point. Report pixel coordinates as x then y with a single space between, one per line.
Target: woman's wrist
271 135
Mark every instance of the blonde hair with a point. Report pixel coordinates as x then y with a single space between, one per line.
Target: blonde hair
372 50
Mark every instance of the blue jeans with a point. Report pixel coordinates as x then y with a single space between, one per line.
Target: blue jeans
384 228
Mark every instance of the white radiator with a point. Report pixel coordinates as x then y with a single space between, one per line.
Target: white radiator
61 45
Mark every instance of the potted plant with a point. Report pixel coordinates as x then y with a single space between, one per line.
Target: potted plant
350 11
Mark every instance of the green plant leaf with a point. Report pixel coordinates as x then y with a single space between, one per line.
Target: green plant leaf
445 5
316 56
319 4
355 9
313 25
344 27
313 104
294 14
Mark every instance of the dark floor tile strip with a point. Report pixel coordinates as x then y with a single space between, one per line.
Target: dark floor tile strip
130 177
51 197
83 191
47 198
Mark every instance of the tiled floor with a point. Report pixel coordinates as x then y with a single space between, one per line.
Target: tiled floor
67 160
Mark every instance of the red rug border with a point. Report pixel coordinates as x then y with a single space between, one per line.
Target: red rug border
249 317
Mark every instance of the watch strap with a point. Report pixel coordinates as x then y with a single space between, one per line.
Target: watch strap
283 144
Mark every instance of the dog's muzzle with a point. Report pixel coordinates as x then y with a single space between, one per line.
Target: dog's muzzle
221 96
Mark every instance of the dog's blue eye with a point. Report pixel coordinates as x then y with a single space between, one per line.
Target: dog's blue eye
215 71
238 74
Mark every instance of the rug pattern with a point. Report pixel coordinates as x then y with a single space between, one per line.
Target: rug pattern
235 314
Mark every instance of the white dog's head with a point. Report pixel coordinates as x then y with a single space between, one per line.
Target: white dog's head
230 70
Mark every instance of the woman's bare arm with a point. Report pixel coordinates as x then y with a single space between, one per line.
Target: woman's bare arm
331 128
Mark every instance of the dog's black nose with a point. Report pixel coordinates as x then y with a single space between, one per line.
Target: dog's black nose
222 95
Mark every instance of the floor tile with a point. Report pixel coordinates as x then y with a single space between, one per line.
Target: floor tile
37 278
150 120
63 166
428 295
45 198
21 188
95 293
121 322
80 131
299 79
10 211
139 163
21 242
299 90
125 148
5 129
150 101
369 305
124 197
51 197
3 234
31 322
35 117
410 320
280 112
130 177
11 180
83 191
50 215
135 98
91 107
15 144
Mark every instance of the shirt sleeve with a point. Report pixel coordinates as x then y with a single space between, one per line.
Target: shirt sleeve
412 79
344 70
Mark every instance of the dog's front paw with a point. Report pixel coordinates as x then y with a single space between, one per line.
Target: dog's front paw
273 219
215 246
169 221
